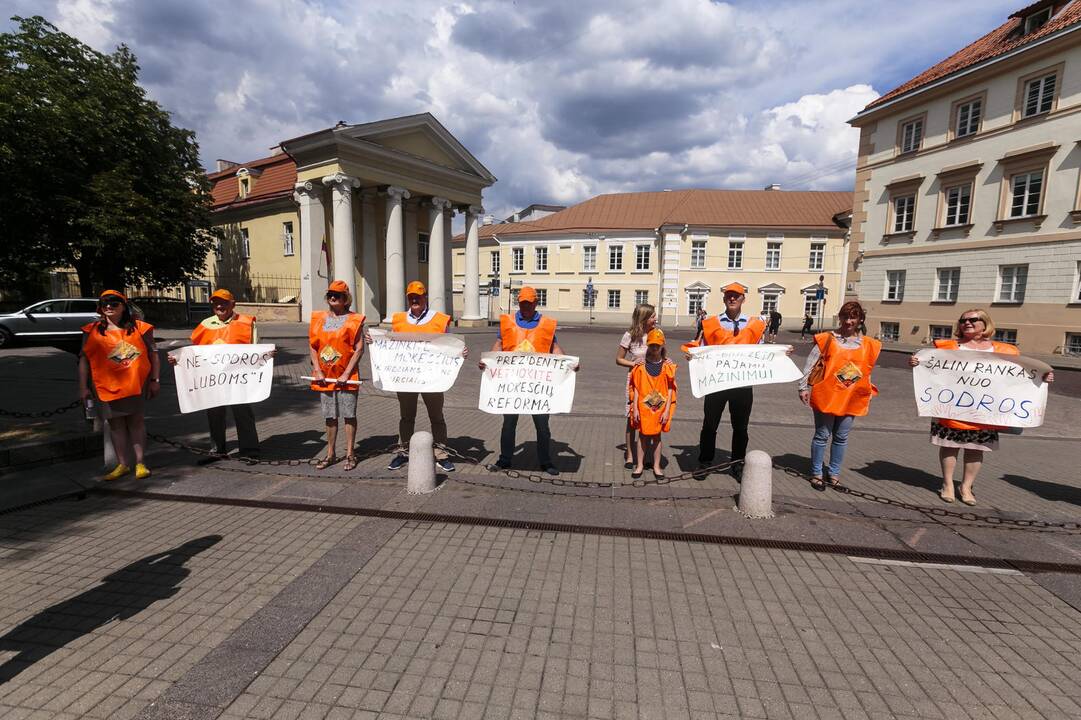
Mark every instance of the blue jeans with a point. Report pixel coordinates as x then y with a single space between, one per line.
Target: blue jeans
825 426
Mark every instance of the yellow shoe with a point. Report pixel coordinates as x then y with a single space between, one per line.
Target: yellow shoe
118 472
142 472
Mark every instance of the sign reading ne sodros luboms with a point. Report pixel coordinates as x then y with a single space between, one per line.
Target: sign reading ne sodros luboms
517 383
984 388
414 362
721 367
212 375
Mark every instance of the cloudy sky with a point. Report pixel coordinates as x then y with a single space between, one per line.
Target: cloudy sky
560 99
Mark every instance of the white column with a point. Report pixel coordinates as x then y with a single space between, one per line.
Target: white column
313 282
344 257
368 294
471 288
437 278
410 225
395 252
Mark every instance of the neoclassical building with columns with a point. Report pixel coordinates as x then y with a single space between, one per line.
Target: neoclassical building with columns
370 204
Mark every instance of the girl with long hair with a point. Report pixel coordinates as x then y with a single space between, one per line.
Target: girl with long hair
632 352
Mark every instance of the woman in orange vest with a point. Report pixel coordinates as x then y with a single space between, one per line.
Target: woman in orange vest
836 384
120 365
653 401
632 352
973 333
336 338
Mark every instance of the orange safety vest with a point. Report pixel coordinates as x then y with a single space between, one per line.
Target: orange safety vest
999 347
713 333
518 339
335 348
846 387
399 322
119 361
237 331
652 396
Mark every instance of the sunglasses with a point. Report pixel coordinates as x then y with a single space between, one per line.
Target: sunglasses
970 320
335 296
110 303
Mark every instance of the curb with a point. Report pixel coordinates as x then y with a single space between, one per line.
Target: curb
49 452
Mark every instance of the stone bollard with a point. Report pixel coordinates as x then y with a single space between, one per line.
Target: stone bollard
421 464
756 488
109 458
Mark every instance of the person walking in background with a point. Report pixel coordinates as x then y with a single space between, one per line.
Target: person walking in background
699 316
120 365
837 386
808 323
774 326
972 333
632 352
336 339
652 397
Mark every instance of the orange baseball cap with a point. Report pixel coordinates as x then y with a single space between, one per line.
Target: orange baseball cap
655 337
112 293
527 294
223 294
339 286
416 288
734 287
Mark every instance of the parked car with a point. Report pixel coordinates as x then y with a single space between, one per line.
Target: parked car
50 322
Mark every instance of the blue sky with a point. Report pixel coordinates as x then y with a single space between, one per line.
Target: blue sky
560 99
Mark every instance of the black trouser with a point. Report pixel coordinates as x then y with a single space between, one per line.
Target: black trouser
544 439
739 402
244 418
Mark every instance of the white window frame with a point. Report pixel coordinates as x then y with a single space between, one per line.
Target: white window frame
894 333
424 247
969 115
1077 284
542 297
615 258
770 300
695 299
698 254
588 301
495 261
1044 98
810 304
1028 198
613 295
947 280
958 196
245 244
941 332
1037 20
816 259
773 255
911 135
904 220
540 258
1071 344
517 259
1005 335
735 254
1012 283
642 262
895 286
589 258
288 248
641 297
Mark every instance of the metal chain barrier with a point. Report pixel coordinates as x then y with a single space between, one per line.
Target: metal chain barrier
248 460
43 414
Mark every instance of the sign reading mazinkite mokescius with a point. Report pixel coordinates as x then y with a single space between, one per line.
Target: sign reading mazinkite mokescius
213 375
415 362
720 367
980 387
519 383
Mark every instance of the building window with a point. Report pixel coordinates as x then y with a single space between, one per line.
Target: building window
895 285
769 302
1037 20
810 305
1073 344
968 118
641 297
773 256
1011 283
589 258
641 257
698 254
542 297
911 135
948 280
1077 286
423 246
613 299
695 301
889 331
615 257
540 258
245 186
245 244
1025 189
517 259
287 238
904 208
495 262
588 298
1005 335
958 202
1039 95
818 256
735 254
941 332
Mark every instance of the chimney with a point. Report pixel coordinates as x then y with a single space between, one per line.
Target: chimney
489 219
225 164
772 186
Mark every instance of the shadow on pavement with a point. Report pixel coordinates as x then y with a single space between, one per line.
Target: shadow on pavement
471 447
122 595
1047 490
885 470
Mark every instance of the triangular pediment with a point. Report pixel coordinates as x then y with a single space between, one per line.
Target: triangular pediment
698 286
420 136
771 288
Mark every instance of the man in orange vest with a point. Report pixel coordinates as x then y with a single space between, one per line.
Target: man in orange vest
226 326
526 331
420 318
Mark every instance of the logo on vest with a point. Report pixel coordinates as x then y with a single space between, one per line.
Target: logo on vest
329 355
124 354
654 400
525 346
849 374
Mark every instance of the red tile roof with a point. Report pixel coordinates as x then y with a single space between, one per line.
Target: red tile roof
999 41
724 208
278 176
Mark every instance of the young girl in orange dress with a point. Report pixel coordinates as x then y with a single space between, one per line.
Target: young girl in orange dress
653 401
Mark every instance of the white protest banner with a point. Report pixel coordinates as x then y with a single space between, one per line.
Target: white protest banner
984 388
720 367
212 375
414 362
516 383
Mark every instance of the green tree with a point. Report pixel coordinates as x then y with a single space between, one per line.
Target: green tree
95 176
